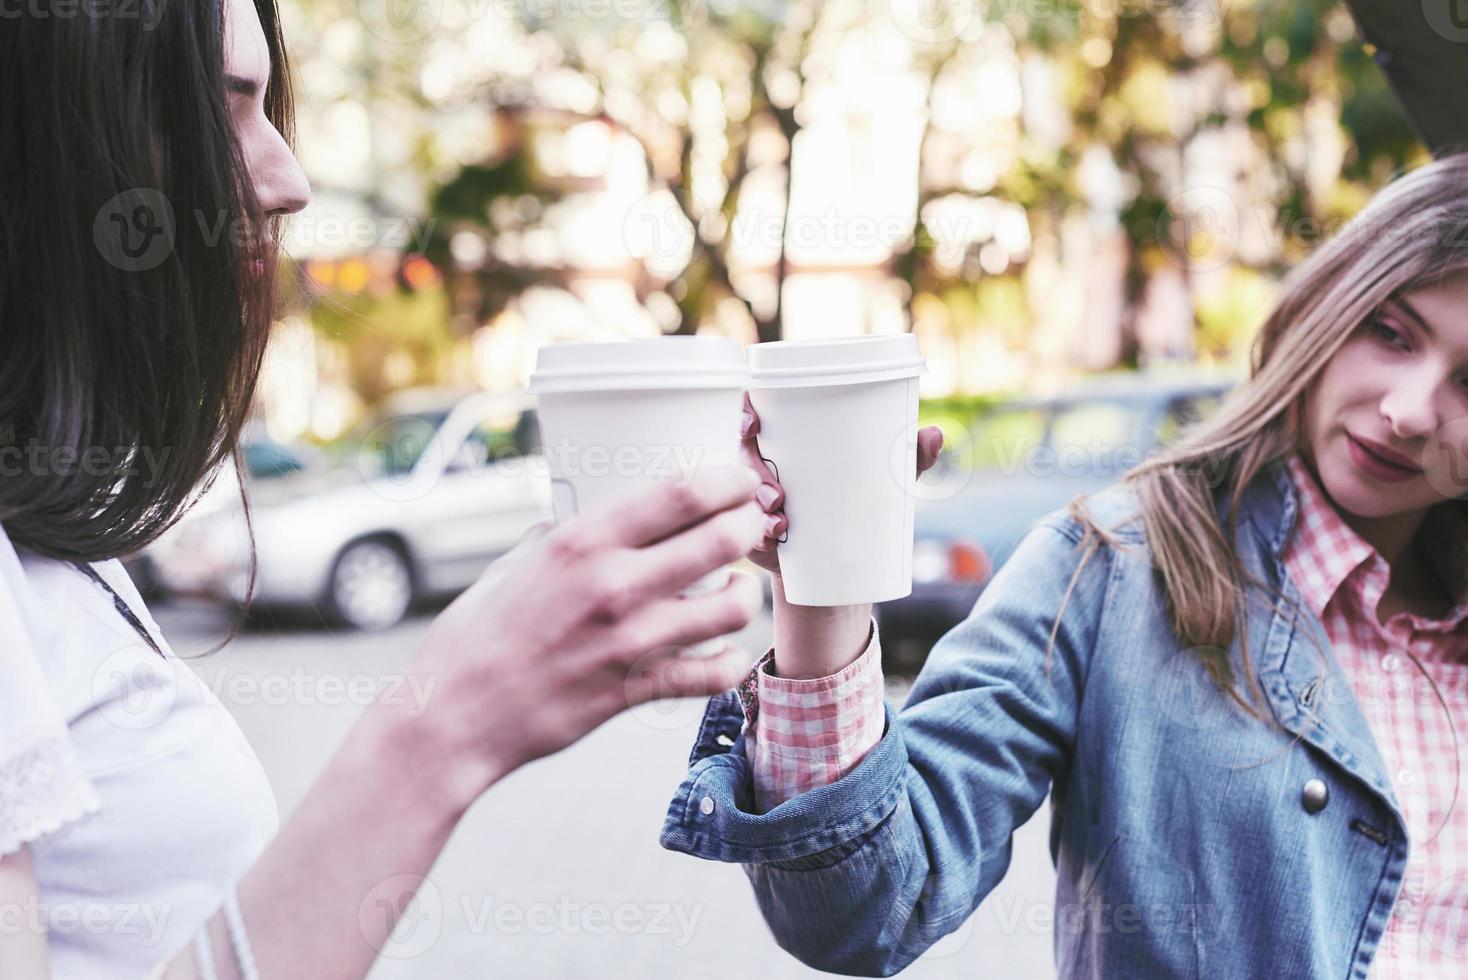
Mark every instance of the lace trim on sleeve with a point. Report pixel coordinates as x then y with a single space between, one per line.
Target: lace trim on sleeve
42 790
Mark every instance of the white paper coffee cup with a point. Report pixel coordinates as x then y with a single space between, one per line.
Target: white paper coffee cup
619 418
838 427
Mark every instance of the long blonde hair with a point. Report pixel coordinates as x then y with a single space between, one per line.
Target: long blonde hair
1413 232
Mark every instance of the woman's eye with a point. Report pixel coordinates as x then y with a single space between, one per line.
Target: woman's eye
1385 332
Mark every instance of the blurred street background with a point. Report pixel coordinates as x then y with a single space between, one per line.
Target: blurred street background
1081 208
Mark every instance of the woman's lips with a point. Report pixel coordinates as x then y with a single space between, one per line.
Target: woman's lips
1375 466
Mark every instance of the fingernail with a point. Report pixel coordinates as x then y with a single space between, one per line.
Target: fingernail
772 526
767 495
746 420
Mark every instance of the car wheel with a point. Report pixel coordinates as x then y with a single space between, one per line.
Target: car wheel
371 585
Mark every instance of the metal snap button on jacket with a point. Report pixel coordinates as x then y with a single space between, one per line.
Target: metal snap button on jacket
1314 796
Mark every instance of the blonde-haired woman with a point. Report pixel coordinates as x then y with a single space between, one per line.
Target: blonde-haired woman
1239 672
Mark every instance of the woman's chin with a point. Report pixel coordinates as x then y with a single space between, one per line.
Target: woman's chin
1360 494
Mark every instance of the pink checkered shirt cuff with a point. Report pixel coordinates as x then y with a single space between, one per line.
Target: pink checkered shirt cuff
800 734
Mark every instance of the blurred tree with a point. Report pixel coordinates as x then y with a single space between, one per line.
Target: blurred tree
695 90
1272 104
373 330
1161 88
481 217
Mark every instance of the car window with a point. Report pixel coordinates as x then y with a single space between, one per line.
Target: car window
264 460
1184 412
527 432
1002 438
1094 425
397 441
1097 439
505 433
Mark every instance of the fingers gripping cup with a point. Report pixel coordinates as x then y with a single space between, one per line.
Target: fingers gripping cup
838 427
619 418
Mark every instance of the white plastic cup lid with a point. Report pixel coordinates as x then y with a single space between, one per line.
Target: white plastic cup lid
839 361
628 365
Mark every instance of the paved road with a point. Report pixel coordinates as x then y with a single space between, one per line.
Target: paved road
557 871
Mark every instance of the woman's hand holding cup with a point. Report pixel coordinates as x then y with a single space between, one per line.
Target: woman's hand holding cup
771 495
582 621
810 641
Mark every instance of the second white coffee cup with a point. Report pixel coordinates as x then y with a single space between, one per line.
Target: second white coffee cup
618 418
838 426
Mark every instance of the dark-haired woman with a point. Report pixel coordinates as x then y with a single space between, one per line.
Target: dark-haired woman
142 161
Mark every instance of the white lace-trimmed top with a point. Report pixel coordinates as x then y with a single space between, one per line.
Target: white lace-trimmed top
132 786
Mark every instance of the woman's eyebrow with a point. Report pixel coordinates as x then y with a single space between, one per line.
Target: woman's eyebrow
1410 310
239 85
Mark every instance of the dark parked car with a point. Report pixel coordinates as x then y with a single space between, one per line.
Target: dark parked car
1020 460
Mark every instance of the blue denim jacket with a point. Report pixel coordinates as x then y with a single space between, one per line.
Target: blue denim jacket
1189 839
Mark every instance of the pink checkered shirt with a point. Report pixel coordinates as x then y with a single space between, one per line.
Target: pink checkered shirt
1342 578
801 734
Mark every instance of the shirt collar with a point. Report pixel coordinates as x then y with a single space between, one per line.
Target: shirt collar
1325 551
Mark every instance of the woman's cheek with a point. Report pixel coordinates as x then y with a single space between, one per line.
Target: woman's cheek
1359 367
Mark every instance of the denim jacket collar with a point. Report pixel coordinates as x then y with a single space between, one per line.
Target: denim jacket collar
1311 697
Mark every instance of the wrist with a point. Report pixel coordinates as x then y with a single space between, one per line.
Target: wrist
422 731
817 641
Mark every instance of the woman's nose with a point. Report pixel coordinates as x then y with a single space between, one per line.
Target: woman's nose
280 185
289 193
1408 409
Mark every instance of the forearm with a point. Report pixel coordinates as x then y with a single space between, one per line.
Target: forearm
325 895
925 822
815 641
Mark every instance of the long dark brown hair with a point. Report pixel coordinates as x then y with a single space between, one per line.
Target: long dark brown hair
133 313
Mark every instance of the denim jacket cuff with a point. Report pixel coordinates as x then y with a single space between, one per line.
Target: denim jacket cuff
712 814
